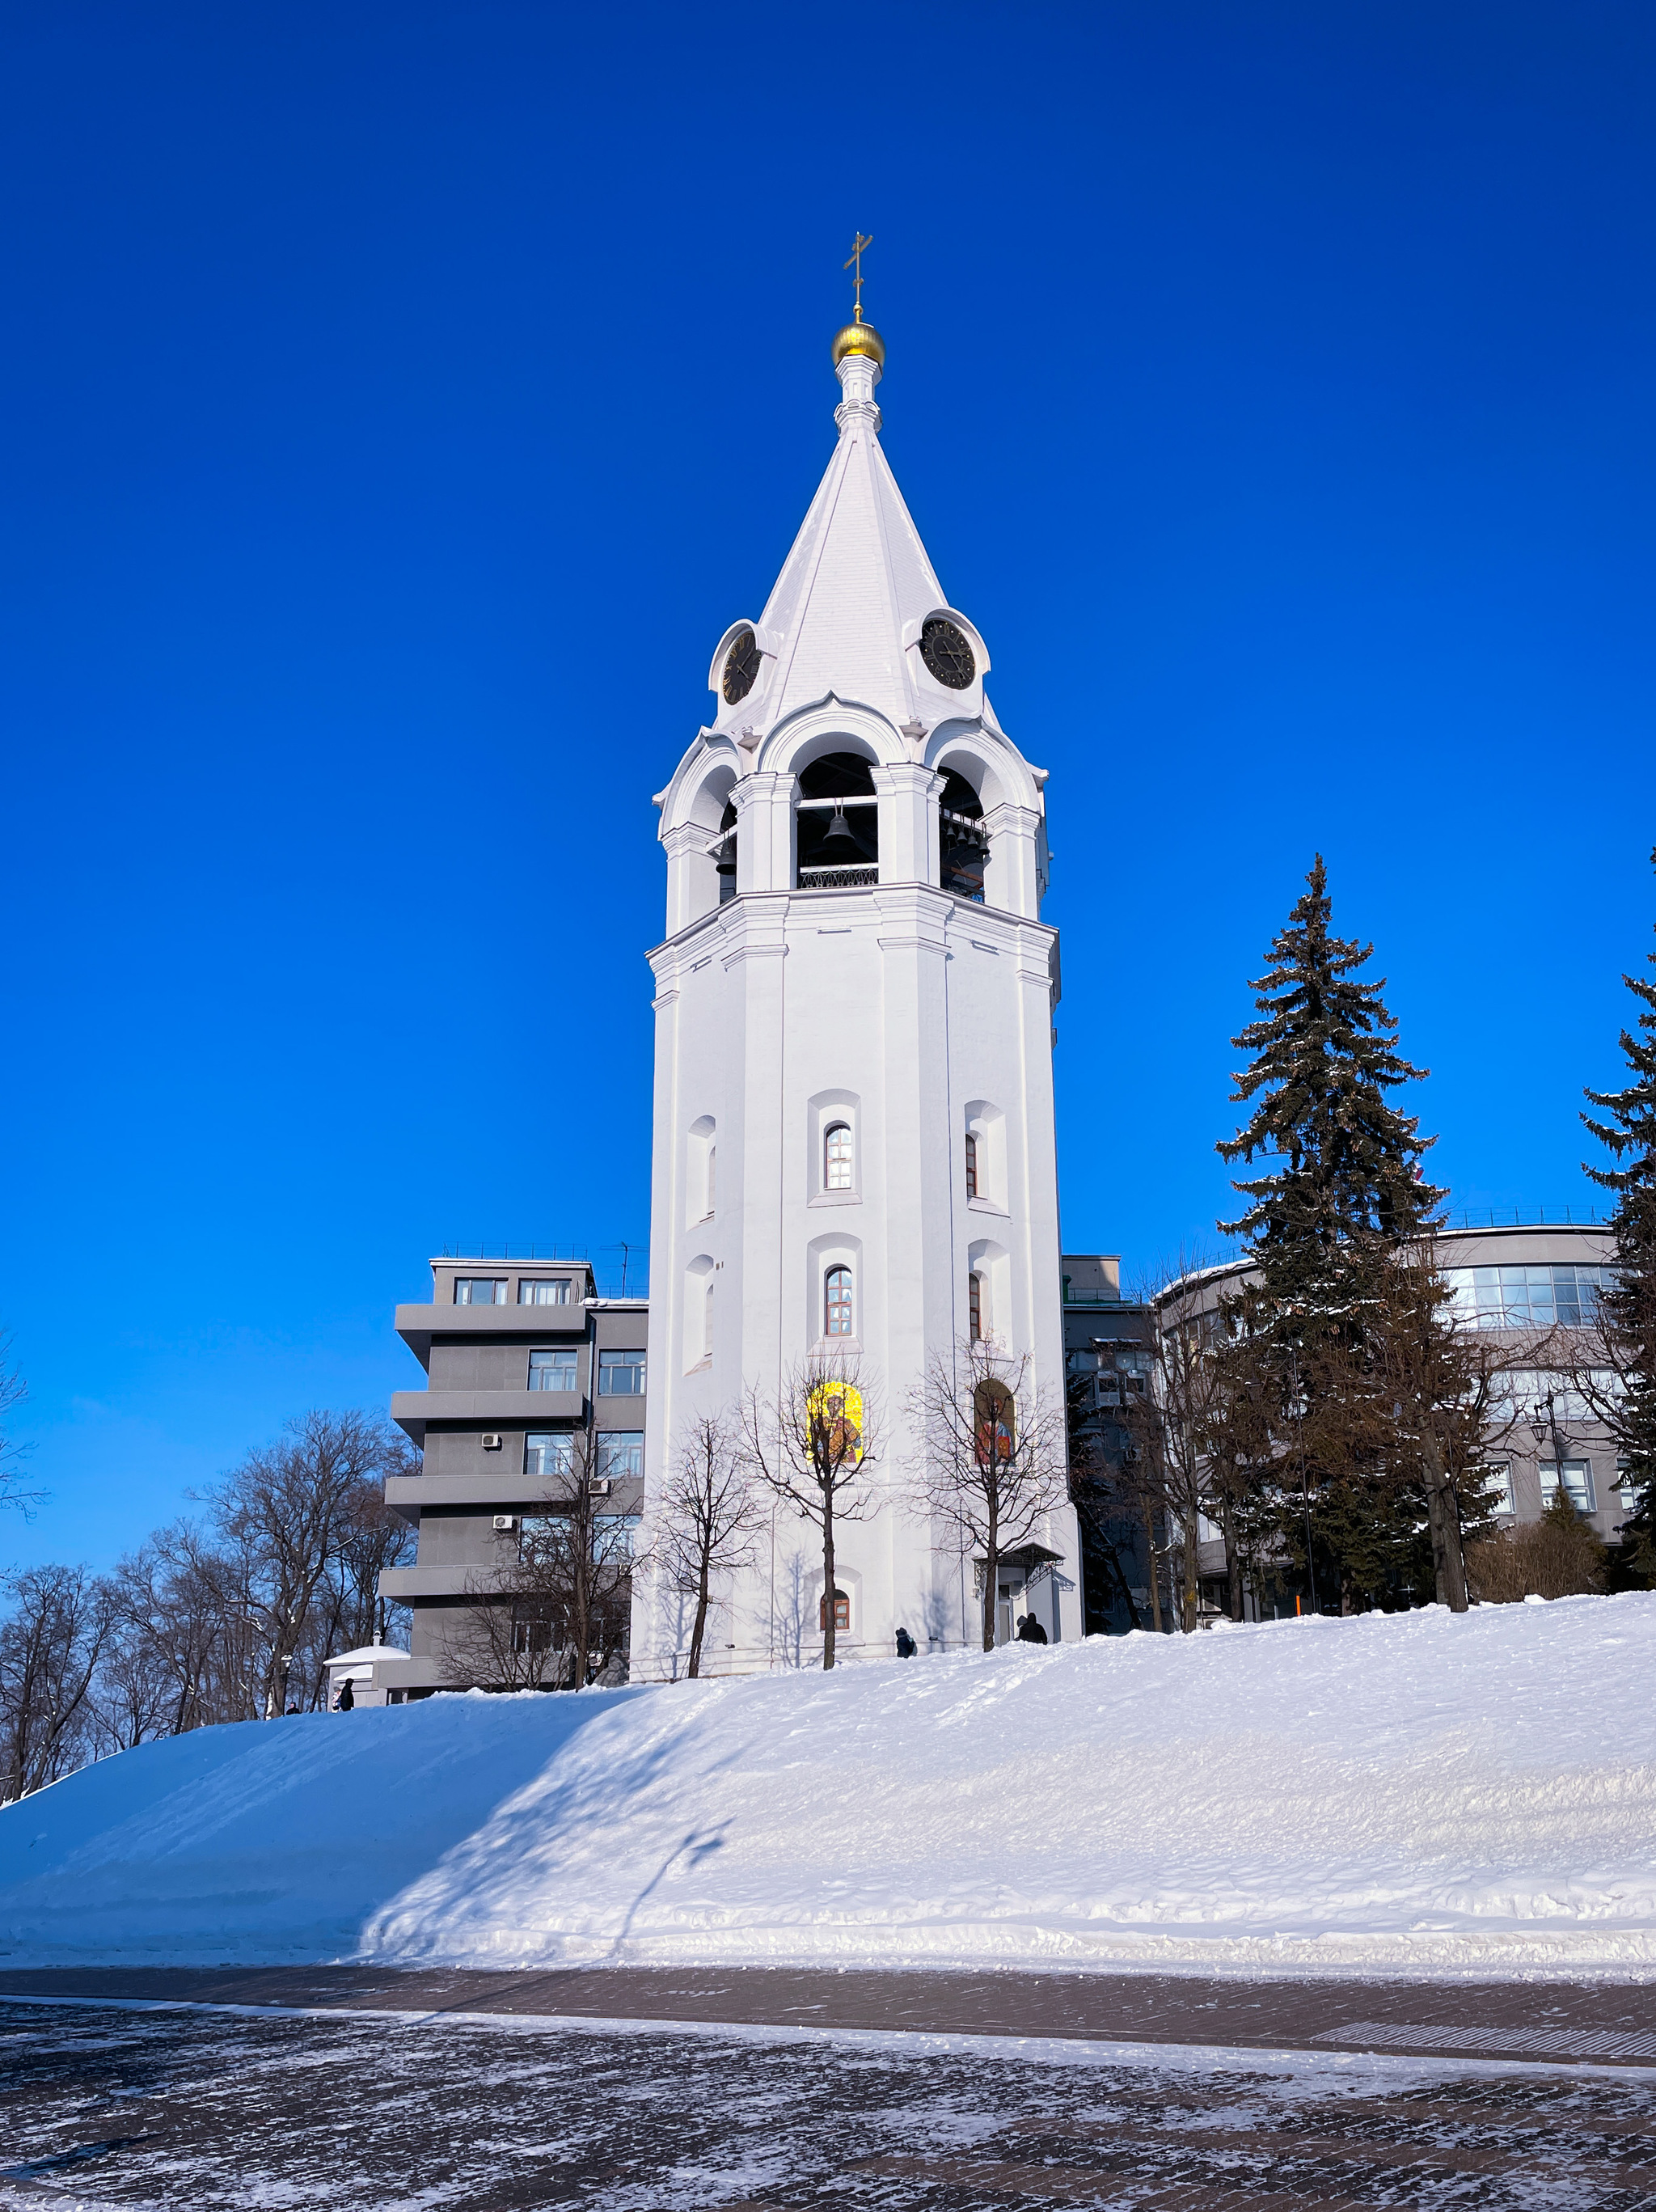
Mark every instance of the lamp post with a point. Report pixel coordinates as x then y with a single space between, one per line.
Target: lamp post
1543 1423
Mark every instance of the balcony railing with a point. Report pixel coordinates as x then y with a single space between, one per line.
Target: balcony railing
839 880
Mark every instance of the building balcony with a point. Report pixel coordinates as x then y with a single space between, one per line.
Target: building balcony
417 1325
415 1411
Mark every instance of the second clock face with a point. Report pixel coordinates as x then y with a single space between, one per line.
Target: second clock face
741 666
945 649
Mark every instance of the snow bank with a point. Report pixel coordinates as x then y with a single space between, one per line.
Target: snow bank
1413 1794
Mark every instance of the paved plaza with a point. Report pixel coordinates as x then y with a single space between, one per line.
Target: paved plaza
353 2090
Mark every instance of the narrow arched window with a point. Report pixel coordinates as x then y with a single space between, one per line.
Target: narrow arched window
841 1611
836 1156
708 1322
837 1303
974 1305
713 1163
971 1165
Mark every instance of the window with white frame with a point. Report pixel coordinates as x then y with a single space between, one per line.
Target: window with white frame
620 1457
553 1370
1527 1296
548 1455
1629 1489
836 1303
621 1375
1578 1483
974 1303
543 1291
480 1291
1498 1486
1516 1391
836 1156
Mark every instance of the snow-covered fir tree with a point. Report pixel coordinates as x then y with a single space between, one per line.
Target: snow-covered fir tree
1628 1303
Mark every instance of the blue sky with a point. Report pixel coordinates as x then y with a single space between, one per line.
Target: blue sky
399 401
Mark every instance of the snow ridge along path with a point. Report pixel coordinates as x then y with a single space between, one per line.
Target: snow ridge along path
1414 1794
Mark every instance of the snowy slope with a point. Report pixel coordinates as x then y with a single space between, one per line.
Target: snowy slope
1406 1794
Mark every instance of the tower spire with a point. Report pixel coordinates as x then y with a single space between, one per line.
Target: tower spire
857 250
858 352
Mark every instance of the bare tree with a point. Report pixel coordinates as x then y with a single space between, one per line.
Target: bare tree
50 1646
287 1513
704 1521
13 1391
993 1456
812 1446
1173 1424
557 1614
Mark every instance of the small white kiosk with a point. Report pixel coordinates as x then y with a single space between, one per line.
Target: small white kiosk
372 1673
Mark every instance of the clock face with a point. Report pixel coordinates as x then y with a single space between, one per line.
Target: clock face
945 652
742 666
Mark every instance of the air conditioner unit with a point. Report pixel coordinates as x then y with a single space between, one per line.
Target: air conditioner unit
493 1440
603 1487
505 1522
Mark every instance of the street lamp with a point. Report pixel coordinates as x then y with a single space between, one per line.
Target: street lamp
1544 1426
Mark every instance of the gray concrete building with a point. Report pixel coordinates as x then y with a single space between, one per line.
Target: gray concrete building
1535 1285
520 1357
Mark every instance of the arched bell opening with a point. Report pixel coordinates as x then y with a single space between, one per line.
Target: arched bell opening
962 840
839 825
724 853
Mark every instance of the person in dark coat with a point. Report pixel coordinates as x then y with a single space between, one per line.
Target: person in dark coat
1030 1629
906 1646
347 1698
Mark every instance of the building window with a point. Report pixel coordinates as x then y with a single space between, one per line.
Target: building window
1630 1490
552 1370
621 1375
620 1457
971 1165
479 1290
1526 1297
837 1303
542 1292
836 1156
841 1611
532 1626
614 1535
713 1174
1578 1483
548 1455
1498 1486
974 1302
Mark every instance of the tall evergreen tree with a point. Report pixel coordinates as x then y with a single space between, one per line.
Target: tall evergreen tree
1628 1306
1346 1166
1342 1193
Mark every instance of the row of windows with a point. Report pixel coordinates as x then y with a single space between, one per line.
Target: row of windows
620 1457
1526 1297
1578 1486
837 1166
491 1289
620 1374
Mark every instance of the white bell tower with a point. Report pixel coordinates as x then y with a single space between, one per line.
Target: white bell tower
854 1144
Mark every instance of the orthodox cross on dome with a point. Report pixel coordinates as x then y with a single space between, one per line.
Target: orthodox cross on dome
856 263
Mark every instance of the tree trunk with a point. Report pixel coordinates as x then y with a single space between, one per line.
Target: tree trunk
694 1667
991 1576
827 1580
1444 1519
1155 1579
1193 1582
1233 1562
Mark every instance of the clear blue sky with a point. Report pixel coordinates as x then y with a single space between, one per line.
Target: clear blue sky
399 400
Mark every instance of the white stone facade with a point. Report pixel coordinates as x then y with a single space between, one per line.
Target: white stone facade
909 1014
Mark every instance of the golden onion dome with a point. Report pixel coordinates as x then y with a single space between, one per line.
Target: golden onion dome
859 337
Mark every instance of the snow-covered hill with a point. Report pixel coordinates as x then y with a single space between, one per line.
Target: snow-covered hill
1418 1793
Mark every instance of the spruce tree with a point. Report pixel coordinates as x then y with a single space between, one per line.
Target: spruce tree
1346 1164
1342 1194
1628 1303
